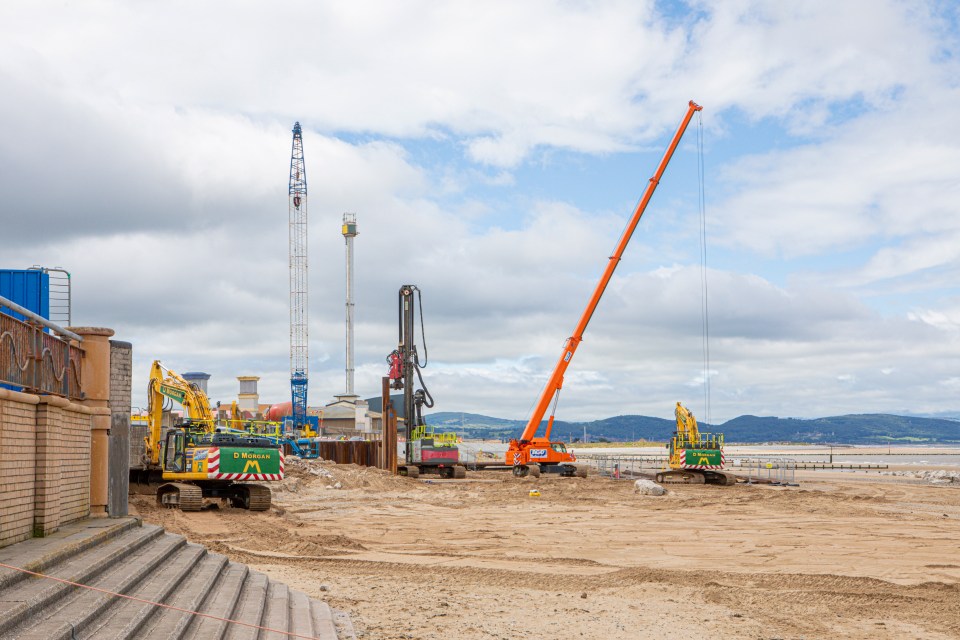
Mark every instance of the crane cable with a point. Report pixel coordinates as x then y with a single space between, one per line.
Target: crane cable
704 307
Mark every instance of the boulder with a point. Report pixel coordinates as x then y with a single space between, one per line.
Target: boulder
648 488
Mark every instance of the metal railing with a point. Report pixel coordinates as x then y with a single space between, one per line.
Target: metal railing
34 360
622 466
766 470
60 301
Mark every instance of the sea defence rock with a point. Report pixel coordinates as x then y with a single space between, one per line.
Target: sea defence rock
940 476
648 488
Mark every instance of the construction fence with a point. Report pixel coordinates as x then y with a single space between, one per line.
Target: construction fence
761 469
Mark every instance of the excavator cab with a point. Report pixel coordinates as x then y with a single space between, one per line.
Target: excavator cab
174 456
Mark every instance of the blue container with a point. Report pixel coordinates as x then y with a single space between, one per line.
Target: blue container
29 288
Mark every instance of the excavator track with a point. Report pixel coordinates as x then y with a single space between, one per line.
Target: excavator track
680 476
723 478
254 497
260 497
179 495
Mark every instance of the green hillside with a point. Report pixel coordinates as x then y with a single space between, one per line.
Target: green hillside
850 429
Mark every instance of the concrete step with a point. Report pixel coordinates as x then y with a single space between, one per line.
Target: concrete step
41 554
324 627
207 597
276 614
250 608
78 609
170 624
125 618
301 618
220 604
28 597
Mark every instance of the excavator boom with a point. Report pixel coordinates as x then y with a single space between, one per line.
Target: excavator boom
165 383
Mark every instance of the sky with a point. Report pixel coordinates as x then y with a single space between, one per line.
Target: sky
800 257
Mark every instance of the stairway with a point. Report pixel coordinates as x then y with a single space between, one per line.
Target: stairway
144 562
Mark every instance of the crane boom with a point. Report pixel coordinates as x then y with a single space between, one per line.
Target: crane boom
299 339
553 386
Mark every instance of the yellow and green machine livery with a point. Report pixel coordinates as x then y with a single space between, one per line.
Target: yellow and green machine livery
240 464
695 457
197 459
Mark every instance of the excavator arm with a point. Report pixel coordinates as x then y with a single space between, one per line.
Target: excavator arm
686 424
165 383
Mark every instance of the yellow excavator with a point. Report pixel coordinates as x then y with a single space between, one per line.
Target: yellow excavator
194 460
695 457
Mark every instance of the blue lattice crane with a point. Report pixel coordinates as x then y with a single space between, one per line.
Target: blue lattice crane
299 374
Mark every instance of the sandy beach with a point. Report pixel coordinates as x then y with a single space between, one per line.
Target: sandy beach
842 555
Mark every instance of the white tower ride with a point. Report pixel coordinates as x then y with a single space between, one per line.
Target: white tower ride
349 233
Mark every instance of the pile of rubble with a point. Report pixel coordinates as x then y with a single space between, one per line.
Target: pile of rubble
297 468
300 471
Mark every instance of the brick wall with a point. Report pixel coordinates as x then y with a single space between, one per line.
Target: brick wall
44 464
18 417
75 467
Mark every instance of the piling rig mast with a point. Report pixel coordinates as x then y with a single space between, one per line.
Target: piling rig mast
425 450
298 281
530 454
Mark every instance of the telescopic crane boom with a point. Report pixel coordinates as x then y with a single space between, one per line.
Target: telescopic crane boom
530 450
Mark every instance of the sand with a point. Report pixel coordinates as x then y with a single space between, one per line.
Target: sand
841 556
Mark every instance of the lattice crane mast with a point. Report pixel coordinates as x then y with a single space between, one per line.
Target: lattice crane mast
298 281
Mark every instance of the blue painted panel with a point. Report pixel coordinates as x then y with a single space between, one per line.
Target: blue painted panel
29 288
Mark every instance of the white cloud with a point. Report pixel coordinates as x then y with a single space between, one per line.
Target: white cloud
145 147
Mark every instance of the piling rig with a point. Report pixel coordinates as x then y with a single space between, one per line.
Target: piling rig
426 451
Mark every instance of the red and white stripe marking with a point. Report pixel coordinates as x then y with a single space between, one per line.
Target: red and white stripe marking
683 461
213 469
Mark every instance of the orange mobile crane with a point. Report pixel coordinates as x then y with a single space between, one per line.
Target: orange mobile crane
531 454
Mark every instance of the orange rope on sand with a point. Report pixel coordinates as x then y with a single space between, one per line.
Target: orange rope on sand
156 604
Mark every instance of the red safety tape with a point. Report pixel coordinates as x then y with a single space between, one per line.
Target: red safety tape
156 604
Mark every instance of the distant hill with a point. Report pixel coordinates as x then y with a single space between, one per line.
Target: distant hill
851 429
